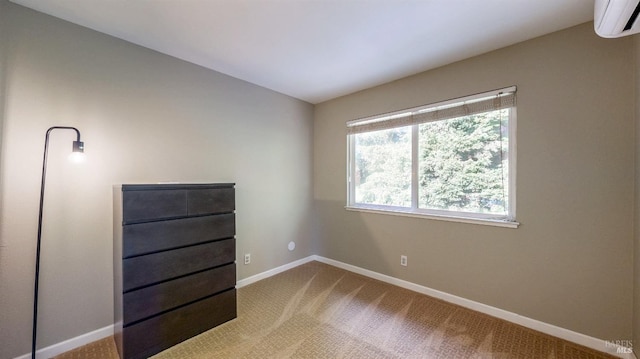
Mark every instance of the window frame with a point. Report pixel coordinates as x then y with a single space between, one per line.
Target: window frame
508 221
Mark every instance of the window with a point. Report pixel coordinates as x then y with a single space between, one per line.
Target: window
453 160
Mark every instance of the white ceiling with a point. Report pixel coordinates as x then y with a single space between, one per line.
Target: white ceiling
316 50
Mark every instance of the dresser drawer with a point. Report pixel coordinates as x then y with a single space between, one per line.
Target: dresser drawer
143 238
142 205
145 302
210 200
148 337
139 206
157 267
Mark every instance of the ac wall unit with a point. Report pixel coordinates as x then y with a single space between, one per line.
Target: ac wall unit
615 18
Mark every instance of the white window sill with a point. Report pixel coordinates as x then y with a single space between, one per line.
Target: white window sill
480 221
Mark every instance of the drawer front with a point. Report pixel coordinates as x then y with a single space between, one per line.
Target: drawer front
150 237
153 268
210 200
138 206
145 302
151 336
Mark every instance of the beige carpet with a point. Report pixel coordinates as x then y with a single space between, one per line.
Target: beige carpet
319 311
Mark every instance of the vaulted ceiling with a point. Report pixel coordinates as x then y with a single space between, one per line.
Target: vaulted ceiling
317 50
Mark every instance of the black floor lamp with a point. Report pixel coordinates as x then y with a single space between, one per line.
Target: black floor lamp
78 148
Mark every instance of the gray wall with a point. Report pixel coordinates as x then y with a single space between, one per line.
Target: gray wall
570 263
144 117
636 275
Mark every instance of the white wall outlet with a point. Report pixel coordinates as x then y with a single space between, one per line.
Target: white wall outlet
247 258
403 261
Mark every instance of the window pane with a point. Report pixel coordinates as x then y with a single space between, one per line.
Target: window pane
383 167
463 164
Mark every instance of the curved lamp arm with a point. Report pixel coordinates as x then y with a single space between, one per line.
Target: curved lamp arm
78 146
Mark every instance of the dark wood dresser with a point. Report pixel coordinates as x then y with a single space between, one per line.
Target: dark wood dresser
174 263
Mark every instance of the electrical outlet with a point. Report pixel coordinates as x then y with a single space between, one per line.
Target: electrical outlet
247 258
403 261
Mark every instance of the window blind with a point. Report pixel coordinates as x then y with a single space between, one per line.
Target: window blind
485 102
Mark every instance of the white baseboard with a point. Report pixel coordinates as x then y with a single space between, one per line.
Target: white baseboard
271 272
566 334
59 348
562 333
